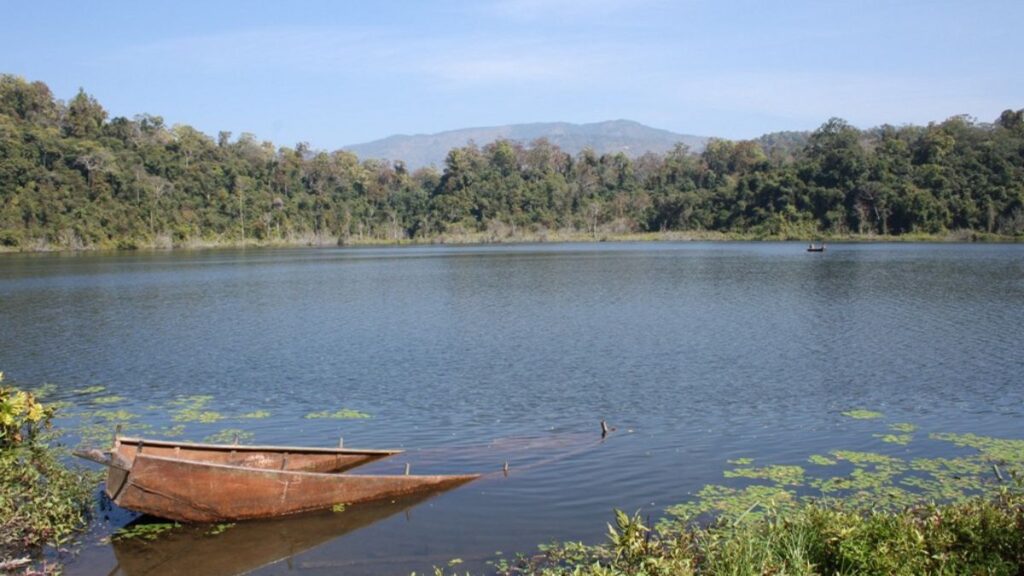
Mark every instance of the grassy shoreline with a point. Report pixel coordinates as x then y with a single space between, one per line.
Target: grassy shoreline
980 536
844 512
955 507
486 238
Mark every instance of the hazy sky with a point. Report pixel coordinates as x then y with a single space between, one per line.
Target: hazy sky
337 73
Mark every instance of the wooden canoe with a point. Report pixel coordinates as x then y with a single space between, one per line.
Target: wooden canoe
151 478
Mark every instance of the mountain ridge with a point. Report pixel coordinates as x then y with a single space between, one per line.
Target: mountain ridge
609 136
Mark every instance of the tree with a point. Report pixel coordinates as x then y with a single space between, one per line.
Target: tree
85 116
69 177
156 188
30 102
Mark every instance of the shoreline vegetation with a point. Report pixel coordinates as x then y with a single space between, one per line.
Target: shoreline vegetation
836 512
984 535
72 178
543 237
844 512
44 503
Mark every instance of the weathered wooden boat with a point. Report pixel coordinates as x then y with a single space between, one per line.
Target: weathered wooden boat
191 482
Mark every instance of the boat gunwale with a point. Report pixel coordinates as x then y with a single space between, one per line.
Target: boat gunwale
300 472
132 441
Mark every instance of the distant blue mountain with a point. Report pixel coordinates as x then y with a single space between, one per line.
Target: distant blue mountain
632 138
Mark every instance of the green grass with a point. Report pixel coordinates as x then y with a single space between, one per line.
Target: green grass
852 512
984 536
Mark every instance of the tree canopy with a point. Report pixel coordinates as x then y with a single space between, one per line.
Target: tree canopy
71 177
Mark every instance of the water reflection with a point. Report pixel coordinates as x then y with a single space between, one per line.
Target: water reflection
706 351
246 546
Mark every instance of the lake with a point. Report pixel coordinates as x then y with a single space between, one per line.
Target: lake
470 357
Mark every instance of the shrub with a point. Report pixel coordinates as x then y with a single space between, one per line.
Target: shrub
42 501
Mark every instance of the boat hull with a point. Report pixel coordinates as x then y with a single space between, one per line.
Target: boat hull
190 491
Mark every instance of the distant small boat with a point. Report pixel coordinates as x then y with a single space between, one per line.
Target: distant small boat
192 482
818 248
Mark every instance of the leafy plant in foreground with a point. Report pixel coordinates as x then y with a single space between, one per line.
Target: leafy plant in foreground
41 500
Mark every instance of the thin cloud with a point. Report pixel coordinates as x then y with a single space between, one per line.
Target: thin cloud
543 9
865 100
500 62
465 60
502 69
266 49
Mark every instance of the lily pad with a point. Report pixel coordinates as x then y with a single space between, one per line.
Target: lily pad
343 414
861 414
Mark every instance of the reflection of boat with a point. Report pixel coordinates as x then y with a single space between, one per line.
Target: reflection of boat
818 248
249 545
217 483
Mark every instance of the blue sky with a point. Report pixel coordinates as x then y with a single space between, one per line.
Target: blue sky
337 73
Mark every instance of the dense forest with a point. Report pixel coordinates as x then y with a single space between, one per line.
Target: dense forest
70 177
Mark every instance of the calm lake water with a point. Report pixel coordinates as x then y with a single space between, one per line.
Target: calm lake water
469 357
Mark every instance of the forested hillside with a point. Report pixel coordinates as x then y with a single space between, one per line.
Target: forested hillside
71 177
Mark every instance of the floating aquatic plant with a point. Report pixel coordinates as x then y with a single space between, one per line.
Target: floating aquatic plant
343 414
941 515
821 460
113 399
220 528
229 435
779 474
145 531
256 415
172 431
43 390
192 409
733 503
98 426
901 439
116 416
61 405
876 480
1001 449
203 416
861 414
858 458
89 390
